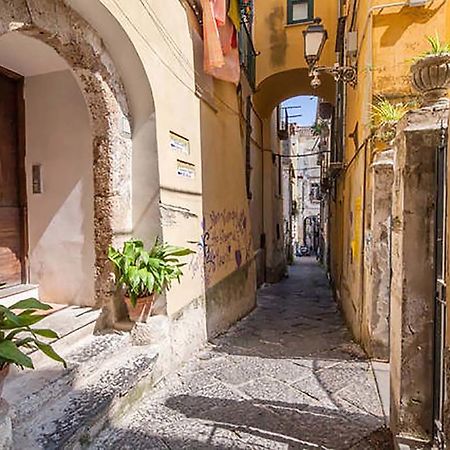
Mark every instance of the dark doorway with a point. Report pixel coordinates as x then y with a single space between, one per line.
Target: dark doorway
12 177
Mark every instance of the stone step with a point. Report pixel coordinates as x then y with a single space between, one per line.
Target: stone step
12 294
56 408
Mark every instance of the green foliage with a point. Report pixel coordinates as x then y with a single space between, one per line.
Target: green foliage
144 272
385 112
437 48
317 128
16 334
385 116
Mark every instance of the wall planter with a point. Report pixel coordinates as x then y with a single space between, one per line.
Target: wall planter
431 77
385 116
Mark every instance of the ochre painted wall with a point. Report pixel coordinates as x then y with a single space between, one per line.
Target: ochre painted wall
388 40
280 44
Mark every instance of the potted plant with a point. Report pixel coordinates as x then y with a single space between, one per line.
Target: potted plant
385 116
18 338
145 273
431 71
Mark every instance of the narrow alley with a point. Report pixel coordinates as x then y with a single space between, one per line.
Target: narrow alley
286 377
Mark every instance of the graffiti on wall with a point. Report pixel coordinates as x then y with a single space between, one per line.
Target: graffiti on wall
225 243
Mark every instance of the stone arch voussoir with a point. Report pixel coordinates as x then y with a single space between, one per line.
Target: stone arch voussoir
60 27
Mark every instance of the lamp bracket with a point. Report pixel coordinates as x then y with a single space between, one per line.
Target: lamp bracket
346 74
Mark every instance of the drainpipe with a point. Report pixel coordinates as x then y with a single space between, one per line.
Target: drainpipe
262 243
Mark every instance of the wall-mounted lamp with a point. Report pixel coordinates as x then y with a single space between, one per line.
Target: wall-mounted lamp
315 37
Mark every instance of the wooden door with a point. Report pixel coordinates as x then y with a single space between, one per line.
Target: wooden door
12 196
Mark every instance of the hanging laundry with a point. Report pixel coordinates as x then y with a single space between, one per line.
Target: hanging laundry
220 11
226 33
221 57
231 71
234 13
213 53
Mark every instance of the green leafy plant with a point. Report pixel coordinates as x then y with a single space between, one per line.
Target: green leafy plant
437 48
144 272
17 334
386 112
317 128
385 115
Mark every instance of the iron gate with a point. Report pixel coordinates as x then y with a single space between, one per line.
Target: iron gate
440 304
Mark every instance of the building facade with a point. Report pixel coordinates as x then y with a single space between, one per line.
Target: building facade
143 119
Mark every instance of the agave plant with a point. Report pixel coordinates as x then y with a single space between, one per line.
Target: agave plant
385 115
144 272
19 336
438 48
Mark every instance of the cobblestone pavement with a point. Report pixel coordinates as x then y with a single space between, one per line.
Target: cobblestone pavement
286 377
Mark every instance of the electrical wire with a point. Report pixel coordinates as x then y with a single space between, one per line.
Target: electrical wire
305 155
169 68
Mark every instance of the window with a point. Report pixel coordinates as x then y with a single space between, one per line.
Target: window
300 11
314 192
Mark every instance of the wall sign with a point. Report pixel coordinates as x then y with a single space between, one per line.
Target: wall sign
179 143
185 169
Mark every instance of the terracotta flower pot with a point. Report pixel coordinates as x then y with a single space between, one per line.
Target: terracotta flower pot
142 310
431 77
3 374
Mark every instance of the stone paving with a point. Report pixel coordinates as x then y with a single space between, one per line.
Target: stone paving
286 377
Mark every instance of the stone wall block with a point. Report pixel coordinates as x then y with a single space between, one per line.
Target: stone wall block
60 27
379 279
413 282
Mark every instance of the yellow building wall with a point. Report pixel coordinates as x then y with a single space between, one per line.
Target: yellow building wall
281 44
207 211
281 68
388 40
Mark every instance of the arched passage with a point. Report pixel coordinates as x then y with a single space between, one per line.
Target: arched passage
291 83
83 50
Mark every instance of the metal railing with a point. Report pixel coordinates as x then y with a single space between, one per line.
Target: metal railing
247 54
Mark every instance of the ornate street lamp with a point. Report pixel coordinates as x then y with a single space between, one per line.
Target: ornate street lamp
315 37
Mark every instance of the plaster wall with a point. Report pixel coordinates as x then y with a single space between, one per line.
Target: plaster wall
227 239
387 42
273 202
256 202
307 172
61 219
375 331
281 44
159 77
206 205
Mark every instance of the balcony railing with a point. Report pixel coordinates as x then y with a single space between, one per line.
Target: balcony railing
247 54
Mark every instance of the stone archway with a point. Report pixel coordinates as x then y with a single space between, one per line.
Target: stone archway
55 24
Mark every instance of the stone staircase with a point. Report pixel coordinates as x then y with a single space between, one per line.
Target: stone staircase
57 408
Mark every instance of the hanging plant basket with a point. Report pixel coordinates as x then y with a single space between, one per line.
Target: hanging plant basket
431 77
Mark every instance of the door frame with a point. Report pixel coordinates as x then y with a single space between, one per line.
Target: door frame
21 152
440 301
